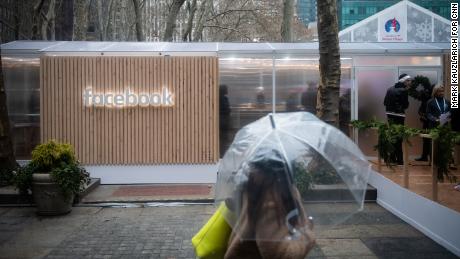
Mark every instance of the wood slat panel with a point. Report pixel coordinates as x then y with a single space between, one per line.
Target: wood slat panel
186 133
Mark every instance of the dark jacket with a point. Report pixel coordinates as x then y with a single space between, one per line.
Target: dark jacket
396 99
455 119
424 97
433 112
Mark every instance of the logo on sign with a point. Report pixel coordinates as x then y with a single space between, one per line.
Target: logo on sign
392 25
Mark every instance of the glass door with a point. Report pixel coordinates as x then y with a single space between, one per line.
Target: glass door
434 74
371 86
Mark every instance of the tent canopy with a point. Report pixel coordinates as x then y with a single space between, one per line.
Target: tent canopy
402 22
212 48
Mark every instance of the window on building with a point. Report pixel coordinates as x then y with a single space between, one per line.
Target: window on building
371 10
361 10
352 11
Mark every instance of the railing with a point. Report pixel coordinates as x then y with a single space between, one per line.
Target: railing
405 150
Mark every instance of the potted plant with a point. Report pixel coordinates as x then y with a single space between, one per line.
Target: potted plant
54 176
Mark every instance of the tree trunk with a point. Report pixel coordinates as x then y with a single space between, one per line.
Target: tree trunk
16 20
188 30
36 19
80 19
138 13
171 20
329 63
7 159
100 23
288 16
205 8
49 22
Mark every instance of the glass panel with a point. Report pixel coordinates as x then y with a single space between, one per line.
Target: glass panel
419 26
397 61
372 87
345 37
249 97
367 32
297 85
22 84
442 32
412 117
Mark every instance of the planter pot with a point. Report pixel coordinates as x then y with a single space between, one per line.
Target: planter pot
48 196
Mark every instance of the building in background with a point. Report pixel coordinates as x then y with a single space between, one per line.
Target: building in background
306 11
353 11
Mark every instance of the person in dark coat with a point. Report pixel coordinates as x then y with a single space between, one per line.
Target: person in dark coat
224 119
396 102
437 107
308 98
425 96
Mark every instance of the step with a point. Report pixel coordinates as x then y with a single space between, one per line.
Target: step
10 196
338 193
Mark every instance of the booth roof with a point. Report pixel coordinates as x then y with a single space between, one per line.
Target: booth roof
54 47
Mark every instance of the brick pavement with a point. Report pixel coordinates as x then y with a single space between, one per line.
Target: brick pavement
165 232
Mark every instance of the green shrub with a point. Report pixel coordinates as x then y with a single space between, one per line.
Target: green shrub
318 171
57 159
51 155
22 178
302 178
71 178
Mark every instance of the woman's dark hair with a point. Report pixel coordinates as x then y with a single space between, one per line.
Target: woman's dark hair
269 173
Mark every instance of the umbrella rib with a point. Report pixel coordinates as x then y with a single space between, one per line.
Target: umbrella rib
258 144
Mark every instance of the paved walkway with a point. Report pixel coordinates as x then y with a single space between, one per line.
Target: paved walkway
165 232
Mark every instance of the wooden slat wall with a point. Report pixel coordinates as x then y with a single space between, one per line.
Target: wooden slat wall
186 133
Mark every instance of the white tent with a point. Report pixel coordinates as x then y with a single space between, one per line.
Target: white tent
402 22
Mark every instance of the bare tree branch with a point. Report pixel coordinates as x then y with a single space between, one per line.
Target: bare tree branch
227 28
230 11
13 28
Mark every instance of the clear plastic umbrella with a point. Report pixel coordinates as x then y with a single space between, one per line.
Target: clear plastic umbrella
277 165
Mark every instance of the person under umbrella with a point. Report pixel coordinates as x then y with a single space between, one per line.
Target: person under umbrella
258 182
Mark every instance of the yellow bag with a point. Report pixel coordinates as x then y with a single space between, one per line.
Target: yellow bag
212 239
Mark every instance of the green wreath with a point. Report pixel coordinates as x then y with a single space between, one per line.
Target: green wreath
427 88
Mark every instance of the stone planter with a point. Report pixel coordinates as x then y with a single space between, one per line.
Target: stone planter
48 196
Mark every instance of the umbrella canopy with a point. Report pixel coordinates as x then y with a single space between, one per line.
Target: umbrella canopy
275 165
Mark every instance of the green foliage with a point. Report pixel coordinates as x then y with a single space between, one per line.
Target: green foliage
388 137
302 178
360 125
71 178
6 176
23 178
446 143
57 159
318 171
51 155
